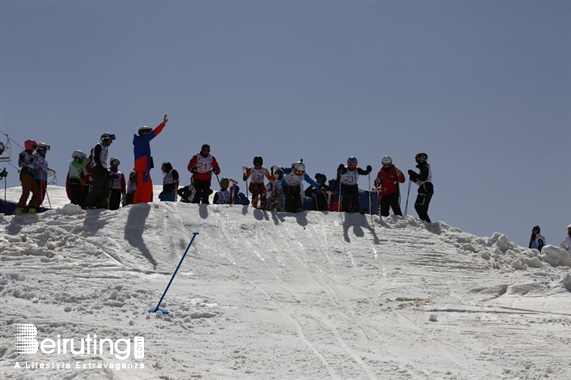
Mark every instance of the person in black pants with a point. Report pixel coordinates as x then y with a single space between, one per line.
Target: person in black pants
425 187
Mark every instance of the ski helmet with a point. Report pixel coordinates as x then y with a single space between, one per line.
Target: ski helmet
258 160
114 161
167 166
298 166
42 146
224 180
78 155
145 129
30 144
352 160
279 171
421 157
387 161
536 228
107 136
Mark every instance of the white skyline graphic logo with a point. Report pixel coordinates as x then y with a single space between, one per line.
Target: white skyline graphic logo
27 344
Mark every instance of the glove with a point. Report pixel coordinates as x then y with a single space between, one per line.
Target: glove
412 175
399 172
369 168
216 171
194 170
377 182
244 177
340 167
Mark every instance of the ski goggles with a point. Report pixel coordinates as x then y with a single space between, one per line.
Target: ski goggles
298 172
352 166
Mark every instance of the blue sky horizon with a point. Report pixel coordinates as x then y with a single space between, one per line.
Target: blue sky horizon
483 87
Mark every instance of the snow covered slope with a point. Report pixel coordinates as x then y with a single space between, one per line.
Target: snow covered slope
280 296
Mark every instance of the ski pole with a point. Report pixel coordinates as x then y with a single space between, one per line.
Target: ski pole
407 193
47 194
370 209
245 172
165 311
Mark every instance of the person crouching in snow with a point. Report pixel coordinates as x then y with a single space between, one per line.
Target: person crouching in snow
537 240
349 177
321 196
257 187
223 196
118 188
170 183
77 178
291 186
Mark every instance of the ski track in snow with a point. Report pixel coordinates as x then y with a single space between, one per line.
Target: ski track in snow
284 296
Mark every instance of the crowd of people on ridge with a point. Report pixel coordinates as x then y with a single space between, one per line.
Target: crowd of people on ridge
92 183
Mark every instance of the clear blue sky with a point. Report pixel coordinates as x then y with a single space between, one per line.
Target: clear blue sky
483 87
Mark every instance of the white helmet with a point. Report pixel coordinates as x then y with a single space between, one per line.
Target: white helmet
387 161
298 166
78 155
107 136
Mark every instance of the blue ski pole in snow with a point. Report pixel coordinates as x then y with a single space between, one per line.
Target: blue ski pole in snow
165 311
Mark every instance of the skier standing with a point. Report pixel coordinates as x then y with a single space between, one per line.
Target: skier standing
118 188
387 181
425 187
274 190
41 169
257 186
26 163
144 161
99 193
291 186
131 188
201 165
349 176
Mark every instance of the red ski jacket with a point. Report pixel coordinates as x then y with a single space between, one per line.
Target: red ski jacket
388 180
